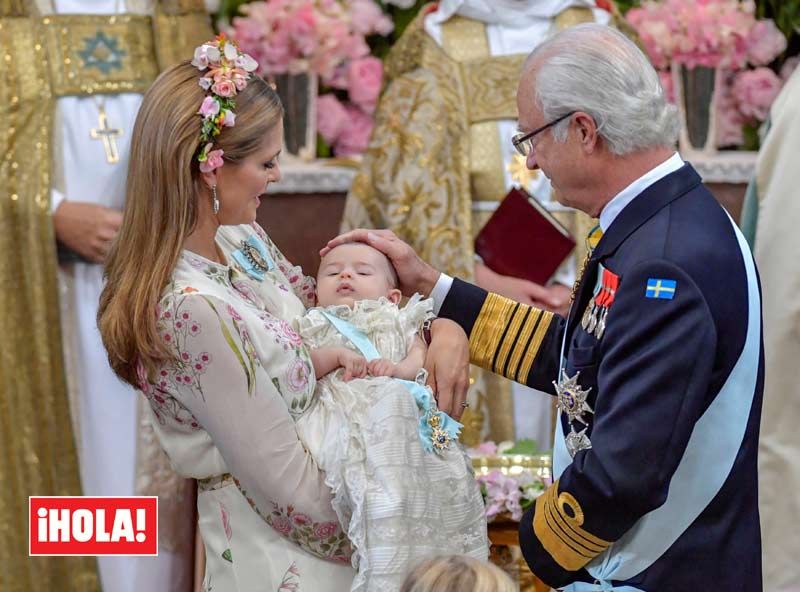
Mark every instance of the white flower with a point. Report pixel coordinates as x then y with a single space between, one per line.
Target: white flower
402 3
230 52
205 83
245 62
212 53
200 60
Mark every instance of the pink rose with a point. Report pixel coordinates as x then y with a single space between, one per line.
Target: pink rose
209 108
364 82
282 525
224 88
325 529
765 43
331 117
354 138
213 161
239 78
754 91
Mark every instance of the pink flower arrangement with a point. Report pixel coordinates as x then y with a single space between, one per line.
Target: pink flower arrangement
325 37
711 33
294 36
507 493
717 34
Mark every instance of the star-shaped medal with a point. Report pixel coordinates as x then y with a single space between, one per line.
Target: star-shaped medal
572 398
577 441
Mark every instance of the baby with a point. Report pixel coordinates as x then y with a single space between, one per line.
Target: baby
403 488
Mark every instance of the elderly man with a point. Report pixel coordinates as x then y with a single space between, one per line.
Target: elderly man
658 368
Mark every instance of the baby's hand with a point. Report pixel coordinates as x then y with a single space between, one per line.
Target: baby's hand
355 365
381 367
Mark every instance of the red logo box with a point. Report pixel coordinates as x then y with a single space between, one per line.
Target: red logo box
79 525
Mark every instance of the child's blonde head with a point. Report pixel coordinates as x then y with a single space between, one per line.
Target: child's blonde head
457 573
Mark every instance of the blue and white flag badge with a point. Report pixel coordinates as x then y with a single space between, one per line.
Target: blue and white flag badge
661 289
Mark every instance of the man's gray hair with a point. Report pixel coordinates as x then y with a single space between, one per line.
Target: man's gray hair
597 70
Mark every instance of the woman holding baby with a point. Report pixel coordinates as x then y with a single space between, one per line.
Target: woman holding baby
197 312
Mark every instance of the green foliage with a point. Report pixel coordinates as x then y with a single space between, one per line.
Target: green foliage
526 446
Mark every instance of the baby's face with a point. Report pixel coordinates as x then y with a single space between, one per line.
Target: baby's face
352 272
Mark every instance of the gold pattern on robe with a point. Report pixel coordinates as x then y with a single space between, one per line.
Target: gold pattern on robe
520 173
39 456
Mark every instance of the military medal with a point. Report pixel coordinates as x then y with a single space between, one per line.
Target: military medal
572 398
609 282
577 441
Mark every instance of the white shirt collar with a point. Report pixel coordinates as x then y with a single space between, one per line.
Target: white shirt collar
632 191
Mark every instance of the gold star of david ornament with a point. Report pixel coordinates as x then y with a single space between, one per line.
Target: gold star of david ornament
577 441
572 398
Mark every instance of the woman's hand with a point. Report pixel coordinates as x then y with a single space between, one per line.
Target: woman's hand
414 274
447 363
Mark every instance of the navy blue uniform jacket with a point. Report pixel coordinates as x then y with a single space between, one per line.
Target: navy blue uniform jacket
658 368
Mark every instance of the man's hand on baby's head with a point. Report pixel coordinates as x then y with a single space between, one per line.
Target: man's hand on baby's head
381 367
355 365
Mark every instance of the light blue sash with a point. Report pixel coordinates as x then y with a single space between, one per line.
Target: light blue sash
422 394
710 453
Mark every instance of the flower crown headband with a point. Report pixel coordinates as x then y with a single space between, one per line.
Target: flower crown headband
226 70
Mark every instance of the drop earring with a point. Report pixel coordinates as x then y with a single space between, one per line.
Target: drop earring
214 199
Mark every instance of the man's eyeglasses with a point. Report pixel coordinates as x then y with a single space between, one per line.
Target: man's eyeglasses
524 142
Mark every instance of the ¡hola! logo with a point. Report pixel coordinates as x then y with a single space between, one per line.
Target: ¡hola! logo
76 525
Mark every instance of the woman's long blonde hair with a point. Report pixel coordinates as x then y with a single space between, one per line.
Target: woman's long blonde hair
457 573
161 206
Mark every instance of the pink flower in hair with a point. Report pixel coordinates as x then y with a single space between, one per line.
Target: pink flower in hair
224 88
209 108
229 118
210 159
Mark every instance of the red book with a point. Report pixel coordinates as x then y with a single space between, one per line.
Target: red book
524 240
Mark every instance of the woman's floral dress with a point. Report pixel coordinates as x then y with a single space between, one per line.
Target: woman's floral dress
225 414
